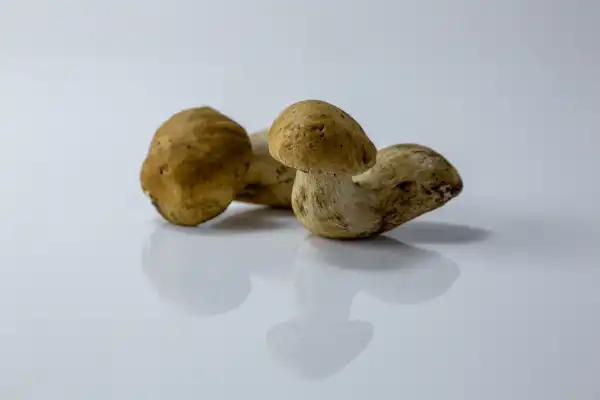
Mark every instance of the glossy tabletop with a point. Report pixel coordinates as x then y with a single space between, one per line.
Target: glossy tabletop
494 296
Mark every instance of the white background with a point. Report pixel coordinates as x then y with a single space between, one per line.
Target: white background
100 300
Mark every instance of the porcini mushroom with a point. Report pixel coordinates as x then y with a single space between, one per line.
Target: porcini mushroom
195 165
344 188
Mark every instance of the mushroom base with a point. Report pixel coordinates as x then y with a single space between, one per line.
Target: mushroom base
333 205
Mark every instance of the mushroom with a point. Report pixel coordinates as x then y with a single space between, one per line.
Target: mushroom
344 188
268 182
195 165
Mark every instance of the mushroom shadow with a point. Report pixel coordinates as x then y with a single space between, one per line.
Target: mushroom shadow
254 219
240 221
427 232
321 339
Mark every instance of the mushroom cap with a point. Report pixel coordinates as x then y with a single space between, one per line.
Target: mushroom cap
195 165
313 135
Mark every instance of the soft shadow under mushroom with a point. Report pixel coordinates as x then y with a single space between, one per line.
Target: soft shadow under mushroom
439 233
321 338
254 219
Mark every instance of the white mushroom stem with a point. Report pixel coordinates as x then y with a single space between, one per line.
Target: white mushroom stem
267 181
332 204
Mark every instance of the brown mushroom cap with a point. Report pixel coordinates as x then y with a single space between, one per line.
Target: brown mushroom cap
316 136
195 165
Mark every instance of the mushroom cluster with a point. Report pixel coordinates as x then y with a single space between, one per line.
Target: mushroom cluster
315 158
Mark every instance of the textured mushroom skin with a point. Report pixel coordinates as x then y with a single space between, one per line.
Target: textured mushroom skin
268 182
332 205
334 140
407 181
195 165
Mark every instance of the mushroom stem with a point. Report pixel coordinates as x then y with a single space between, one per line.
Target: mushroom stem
333 205
267 182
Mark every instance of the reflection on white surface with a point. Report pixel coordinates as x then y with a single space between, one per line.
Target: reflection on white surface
386 268
206 270
204 280
322 338
352 314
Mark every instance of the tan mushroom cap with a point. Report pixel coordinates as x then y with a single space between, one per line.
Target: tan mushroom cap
195 165
316 136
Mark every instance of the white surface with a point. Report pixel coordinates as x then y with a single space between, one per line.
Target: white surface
492 297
